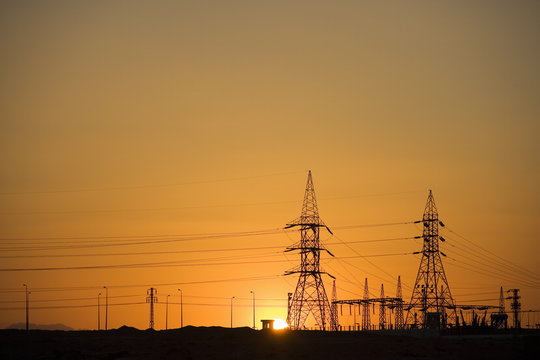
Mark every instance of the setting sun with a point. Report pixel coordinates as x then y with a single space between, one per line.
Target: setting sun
280 324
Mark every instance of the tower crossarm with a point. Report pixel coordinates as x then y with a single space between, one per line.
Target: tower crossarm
309 273
306 248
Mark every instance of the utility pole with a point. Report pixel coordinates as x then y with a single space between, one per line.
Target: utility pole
106 306
431 292
27 293
98 313
310 296
232 311
181 309
253 293
167 313
151 299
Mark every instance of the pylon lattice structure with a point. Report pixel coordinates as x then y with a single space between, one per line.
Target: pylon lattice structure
366 321
151 299
499 320
382 310
399 306
334 314
515 306
310 296
431 293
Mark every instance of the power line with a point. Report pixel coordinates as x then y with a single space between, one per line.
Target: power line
189 251
139 303
173 264
476 270
493 254
492 268
184 283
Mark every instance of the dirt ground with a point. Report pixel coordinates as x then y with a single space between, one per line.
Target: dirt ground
244 343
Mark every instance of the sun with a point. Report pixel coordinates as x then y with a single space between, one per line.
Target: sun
280 324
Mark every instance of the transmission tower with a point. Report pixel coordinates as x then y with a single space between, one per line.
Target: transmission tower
515 306
310 295
499 320
151 299
382 310
334 324
502 308
399 306
366 322
431 293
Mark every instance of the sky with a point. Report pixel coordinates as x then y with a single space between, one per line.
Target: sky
145 122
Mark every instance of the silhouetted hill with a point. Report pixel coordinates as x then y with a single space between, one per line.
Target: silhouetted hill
32 326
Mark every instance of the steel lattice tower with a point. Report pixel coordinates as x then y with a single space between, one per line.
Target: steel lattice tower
334 324
151 299
502 308
382 310
399 306
515 306
310 295
431 293
366 321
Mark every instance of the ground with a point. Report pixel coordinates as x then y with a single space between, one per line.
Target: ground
244 343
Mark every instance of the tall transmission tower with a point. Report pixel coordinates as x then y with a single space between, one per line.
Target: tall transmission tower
431 293
151 299
310 295
515 306
502 308
399 306
366 321
382 310
499 320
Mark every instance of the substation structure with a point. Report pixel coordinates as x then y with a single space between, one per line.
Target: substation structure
431 305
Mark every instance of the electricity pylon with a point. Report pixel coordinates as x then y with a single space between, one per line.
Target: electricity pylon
151 299
515 306
382 310
499 320
431 293
399 306
310 295
366 321
334 323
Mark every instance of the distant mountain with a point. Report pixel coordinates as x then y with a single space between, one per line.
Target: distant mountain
40 326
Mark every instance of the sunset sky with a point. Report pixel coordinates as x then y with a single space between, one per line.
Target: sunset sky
142 123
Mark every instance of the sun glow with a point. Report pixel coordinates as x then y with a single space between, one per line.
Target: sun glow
280 324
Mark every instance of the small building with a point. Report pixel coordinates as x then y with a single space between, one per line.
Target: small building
267 324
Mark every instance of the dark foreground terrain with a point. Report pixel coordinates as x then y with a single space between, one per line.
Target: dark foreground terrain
243 343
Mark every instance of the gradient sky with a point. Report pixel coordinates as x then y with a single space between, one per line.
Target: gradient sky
132 118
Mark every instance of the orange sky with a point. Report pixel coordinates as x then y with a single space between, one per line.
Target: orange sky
144 118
